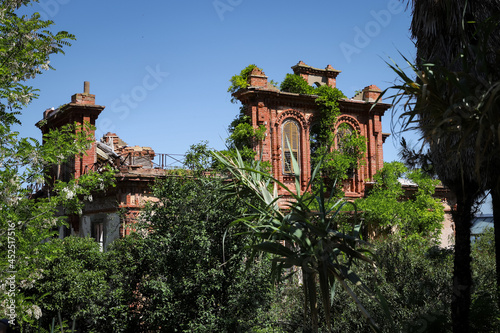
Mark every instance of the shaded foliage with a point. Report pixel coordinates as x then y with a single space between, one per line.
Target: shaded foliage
451 98
415 278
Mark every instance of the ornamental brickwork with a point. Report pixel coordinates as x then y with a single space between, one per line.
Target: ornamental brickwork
268 106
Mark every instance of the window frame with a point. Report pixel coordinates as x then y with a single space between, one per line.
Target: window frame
339 135
286 159
97 233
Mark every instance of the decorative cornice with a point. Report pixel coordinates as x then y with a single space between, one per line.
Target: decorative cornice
329 71
362 106
277 97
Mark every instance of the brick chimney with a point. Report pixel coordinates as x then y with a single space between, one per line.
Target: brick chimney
371 93
82 109
86 97
257 78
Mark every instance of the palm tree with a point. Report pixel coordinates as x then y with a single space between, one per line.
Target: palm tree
448 104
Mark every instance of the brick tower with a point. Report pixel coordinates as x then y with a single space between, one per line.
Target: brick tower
293 113
82 109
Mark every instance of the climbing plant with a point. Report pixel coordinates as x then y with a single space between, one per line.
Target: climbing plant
240 81
338 164
242 135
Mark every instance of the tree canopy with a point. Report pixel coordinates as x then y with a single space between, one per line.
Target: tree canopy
30 216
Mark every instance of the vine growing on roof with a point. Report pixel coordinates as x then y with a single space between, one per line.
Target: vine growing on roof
339 164
242 135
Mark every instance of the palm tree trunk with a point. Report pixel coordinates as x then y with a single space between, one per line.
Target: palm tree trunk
462 277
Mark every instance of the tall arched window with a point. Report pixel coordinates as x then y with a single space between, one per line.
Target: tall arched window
291 144
343 136
344 131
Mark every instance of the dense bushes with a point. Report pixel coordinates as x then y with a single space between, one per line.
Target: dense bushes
93 288
414 278
199 282
187 273
180 278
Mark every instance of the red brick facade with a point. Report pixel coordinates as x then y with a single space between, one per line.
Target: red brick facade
82 109
105 216
268 106
110 214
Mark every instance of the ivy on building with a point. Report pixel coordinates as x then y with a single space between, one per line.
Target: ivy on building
242 135
339 164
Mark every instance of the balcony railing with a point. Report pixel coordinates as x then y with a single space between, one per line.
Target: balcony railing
169 161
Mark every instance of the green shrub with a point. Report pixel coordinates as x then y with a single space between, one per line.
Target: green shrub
199 283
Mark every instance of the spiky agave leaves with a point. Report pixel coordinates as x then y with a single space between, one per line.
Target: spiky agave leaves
299 237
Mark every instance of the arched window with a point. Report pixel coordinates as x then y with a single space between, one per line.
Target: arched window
343 140
291 145
344 131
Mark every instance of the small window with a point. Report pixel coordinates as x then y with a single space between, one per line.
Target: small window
98 233
290 145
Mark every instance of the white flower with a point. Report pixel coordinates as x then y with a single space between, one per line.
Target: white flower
51 221
3 305
67 193
37 312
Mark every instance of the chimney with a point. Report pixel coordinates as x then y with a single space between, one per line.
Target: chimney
112 140
257 78
82 109
371 93
86 98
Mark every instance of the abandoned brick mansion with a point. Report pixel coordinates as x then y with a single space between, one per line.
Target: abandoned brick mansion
283 114
291 115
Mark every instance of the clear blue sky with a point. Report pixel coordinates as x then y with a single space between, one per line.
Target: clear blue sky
194 47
